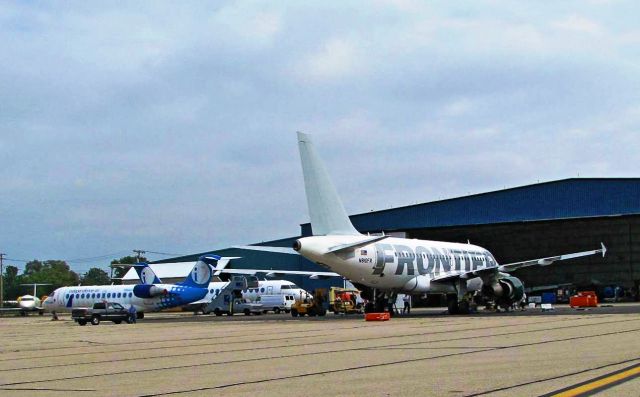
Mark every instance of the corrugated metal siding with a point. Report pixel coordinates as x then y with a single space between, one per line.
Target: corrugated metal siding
568 198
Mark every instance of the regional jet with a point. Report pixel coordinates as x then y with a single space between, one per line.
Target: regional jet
149 296
383 266
264 287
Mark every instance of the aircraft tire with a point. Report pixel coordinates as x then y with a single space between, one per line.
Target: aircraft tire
247 312
294 313
276 310
140 315
463 307
95 320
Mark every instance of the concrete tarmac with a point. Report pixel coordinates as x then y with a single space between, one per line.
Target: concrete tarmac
528 353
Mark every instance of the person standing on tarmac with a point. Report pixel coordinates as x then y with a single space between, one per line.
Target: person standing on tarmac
407 304
132 314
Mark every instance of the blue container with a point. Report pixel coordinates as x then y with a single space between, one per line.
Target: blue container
548 297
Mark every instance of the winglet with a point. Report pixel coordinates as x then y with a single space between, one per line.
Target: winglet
604 249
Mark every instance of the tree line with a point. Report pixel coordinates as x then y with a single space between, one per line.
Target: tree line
57 273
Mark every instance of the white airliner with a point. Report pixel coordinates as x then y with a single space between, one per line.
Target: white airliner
150 296
265 287
383 266
27 303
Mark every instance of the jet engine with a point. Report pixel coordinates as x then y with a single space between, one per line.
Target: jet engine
148 291
505 291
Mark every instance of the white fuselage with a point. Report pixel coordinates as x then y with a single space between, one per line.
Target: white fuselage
265 287
68 298
404 265
29 303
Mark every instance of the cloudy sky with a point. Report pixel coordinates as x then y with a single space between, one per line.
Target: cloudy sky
170 126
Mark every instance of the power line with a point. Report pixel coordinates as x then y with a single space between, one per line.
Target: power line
17 260
164 253
94 258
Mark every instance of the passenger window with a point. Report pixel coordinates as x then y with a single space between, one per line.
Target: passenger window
130 294
109 295
82 296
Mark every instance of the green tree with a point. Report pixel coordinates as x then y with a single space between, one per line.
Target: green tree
95 276
32 267
54 272
11 283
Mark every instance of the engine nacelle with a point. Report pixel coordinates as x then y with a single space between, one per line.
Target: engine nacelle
506 291
146 291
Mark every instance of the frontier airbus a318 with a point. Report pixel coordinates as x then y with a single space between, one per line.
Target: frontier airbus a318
383 266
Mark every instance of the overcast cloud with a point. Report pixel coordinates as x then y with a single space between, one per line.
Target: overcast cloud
170 126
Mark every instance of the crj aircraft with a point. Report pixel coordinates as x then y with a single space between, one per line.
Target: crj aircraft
383 266
149 296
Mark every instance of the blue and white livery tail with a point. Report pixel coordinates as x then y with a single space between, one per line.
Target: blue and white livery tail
200 275
146 274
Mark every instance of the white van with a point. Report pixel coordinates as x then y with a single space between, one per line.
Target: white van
276 303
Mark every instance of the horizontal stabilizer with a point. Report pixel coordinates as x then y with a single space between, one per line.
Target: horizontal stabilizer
357 244
280 273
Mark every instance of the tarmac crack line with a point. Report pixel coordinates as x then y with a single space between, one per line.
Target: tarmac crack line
359 367
149 342
269 347
553 377
266 340
324 352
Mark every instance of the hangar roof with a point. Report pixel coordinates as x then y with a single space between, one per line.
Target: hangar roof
561 199
163 270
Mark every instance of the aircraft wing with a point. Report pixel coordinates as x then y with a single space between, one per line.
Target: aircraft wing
509 267
279 273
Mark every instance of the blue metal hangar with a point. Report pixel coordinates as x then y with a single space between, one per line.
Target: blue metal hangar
515 224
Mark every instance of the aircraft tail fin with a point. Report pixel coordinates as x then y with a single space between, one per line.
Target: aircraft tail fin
200 275
326 211
146 274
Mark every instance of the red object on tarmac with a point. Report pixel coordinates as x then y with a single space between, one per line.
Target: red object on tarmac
584 299
377 316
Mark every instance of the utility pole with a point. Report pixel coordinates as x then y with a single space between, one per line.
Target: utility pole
139 254
1 281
